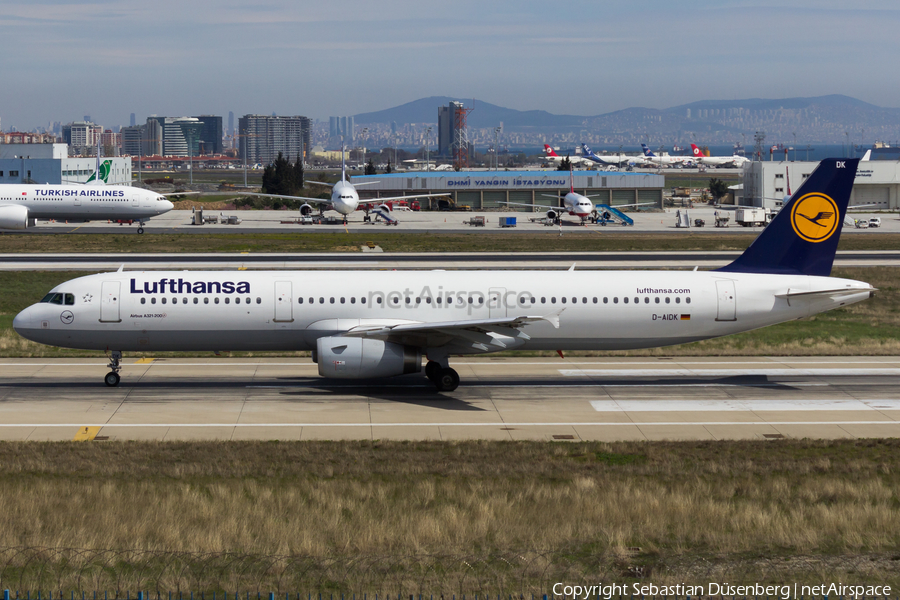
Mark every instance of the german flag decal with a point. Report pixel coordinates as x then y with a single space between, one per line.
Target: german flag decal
685 317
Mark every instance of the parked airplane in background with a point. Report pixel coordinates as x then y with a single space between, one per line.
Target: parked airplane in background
609 159
718 161
666 160
574 204
344 197
367 324
553 157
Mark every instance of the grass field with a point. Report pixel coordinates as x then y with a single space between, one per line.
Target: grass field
597 508
869 328
340 241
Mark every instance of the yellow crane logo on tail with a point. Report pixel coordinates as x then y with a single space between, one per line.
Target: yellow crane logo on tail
814 217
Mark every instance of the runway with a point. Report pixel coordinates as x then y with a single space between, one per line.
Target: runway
402 260
499 399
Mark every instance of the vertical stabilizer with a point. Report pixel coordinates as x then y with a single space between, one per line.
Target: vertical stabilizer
803 237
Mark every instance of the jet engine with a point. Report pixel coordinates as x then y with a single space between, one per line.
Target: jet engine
552 214
13 217
306 210
357 358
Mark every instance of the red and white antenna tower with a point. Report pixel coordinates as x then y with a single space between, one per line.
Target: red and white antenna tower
461 135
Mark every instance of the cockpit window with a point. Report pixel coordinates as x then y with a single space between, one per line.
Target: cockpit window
70 299
55 298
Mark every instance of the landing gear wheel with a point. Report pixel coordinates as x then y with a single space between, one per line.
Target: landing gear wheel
140 230
447 381
432 370
112 379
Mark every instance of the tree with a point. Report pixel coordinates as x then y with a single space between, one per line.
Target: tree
370 167
565 164
282 177
717 188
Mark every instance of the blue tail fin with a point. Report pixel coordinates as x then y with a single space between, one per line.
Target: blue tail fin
646 150
803 238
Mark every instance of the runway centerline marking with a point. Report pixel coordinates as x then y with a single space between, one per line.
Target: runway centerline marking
750 405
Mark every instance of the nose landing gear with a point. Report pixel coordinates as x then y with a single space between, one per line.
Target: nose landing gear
112 378
140 228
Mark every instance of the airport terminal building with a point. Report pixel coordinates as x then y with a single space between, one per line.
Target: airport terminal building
482 190
766 184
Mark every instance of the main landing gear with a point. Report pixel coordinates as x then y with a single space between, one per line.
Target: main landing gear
444 379
112 378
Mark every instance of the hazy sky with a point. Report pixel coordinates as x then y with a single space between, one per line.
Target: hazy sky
65 59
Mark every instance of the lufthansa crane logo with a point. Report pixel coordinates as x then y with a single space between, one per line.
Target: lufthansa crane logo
815 217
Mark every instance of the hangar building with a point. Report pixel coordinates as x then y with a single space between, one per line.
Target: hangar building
50 163
877 183
493 189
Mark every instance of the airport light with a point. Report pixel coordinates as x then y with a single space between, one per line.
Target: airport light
427 141
496 134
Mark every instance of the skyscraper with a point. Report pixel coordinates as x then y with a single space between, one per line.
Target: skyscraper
132 121
210 134
262 138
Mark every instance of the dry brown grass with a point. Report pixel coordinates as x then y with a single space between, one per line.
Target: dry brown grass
723 501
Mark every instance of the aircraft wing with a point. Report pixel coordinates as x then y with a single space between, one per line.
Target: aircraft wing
385 199
545 206
318 182
475 333
167 194
305 199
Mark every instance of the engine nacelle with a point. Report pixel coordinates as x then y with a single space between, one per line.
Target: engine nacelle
13 217
357 358
306 210
552 214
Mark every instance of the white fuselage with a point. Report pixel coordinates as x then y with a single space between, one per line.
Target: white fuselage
720 161
84 202
578 206
244 310
344 197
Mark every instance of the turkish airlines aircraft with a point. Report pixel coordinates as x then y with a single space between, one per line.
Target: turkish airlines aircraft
553 157
344 197
718 161
78 202
368 324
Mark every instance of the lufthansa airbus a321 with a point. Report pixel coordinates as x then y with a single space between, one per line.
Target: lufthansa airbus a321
370 324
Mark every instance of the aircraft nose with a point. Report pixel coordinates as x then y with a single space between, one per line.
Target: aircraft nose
24 321
167 205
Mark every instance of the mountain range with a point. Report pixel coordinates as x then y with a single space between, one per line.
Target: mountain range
832 118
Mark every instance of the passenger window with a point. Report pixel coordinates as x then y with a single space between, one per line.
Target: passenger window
362 300
163 300
300 300
216 300
687 300
677 300
227 300
584 300
342 300
152 300
143 301
321 300
247 301
352 299
427 300
439 300
647 300
616 300
605 300
258 300
312 300
70 299
533 299
636 300
378 299
656 300
331 300
668 300
408 300
543 300
552 299
563 299
625 300
184 300
206 301
196 300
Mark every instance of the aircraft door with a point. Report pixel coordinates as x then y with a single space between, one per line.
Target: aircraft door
726 301
496 302
283 302
135 199
109 302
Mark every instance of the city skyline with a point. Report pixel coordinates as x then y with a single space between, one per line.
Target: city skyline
585 58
